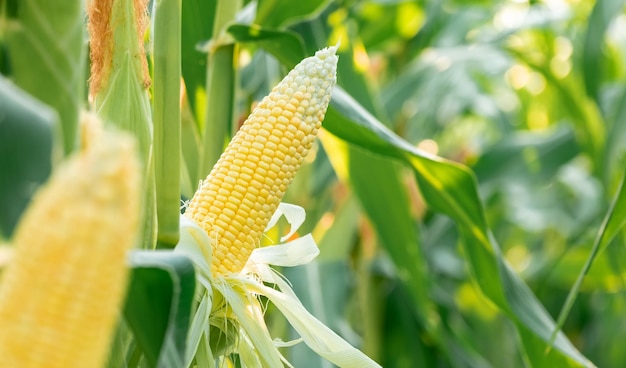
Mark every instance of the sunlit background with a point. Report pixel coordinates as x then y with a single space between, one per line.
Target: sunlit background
529 95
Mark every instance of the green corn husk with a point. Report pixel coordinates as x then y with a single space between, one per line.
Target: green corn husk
119 74
119 83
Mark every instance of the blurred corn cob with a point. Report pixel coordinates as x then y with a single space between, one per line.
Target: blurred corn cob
60 293
236 201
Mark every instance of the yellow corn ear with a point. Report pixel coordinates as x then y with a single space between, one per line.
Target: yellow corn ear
244 188
61 292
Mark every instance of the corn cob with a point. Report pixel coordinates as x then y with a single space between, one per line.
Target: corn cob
244 188
61 292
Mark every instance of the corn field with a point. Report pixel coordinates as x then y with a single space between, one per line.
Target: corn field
312 183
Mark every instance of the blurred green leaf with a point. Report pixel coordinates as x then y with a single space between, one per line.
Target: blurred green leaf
377 182
219 104
46 44
196 27
570 201
402 330
190 146
614 221
158 305
442 84
451 189
601 277
286 46
589 124
220 88
506 159
273 13
604 11
324 289
27 130
614 150
379 186
337 241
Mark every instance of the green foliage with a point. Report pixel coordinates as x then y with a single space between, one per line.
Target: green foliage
285 45
159 303
468 188
52 34
26 143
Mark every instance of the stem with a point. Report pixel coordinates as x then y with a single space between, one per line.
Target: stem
221 76
166 107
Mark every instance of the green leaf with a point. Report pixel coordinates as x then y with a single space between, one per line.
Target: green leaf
616 134
273 13
196 27
158 306
506 160
336 243
451 189
190 146
323 290
220 88
604 11
286 46
377 183
379 186
614 221
26 145
399 347
46 43
589 124
220 99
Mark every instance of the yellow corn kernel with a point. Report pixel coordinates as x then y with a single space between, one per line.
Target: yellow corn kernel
237 199
61 292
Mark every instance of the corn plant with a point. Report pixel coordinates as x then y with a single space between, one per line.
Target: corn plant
267 183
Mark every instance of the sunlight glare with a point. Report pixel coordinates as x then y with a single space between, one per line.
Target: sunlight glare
537 119
560 64
244 58
441 62
518 257
616 32
470 299
517 76
409 108
410 18
428 145
510 16
536 84
339 34
360 58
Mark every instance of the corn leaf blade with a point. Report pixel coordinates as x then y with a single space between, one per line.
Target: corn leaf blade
197 19
26 147
451 189
604 11
614 221
289 11
287 46
159 304
46 47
